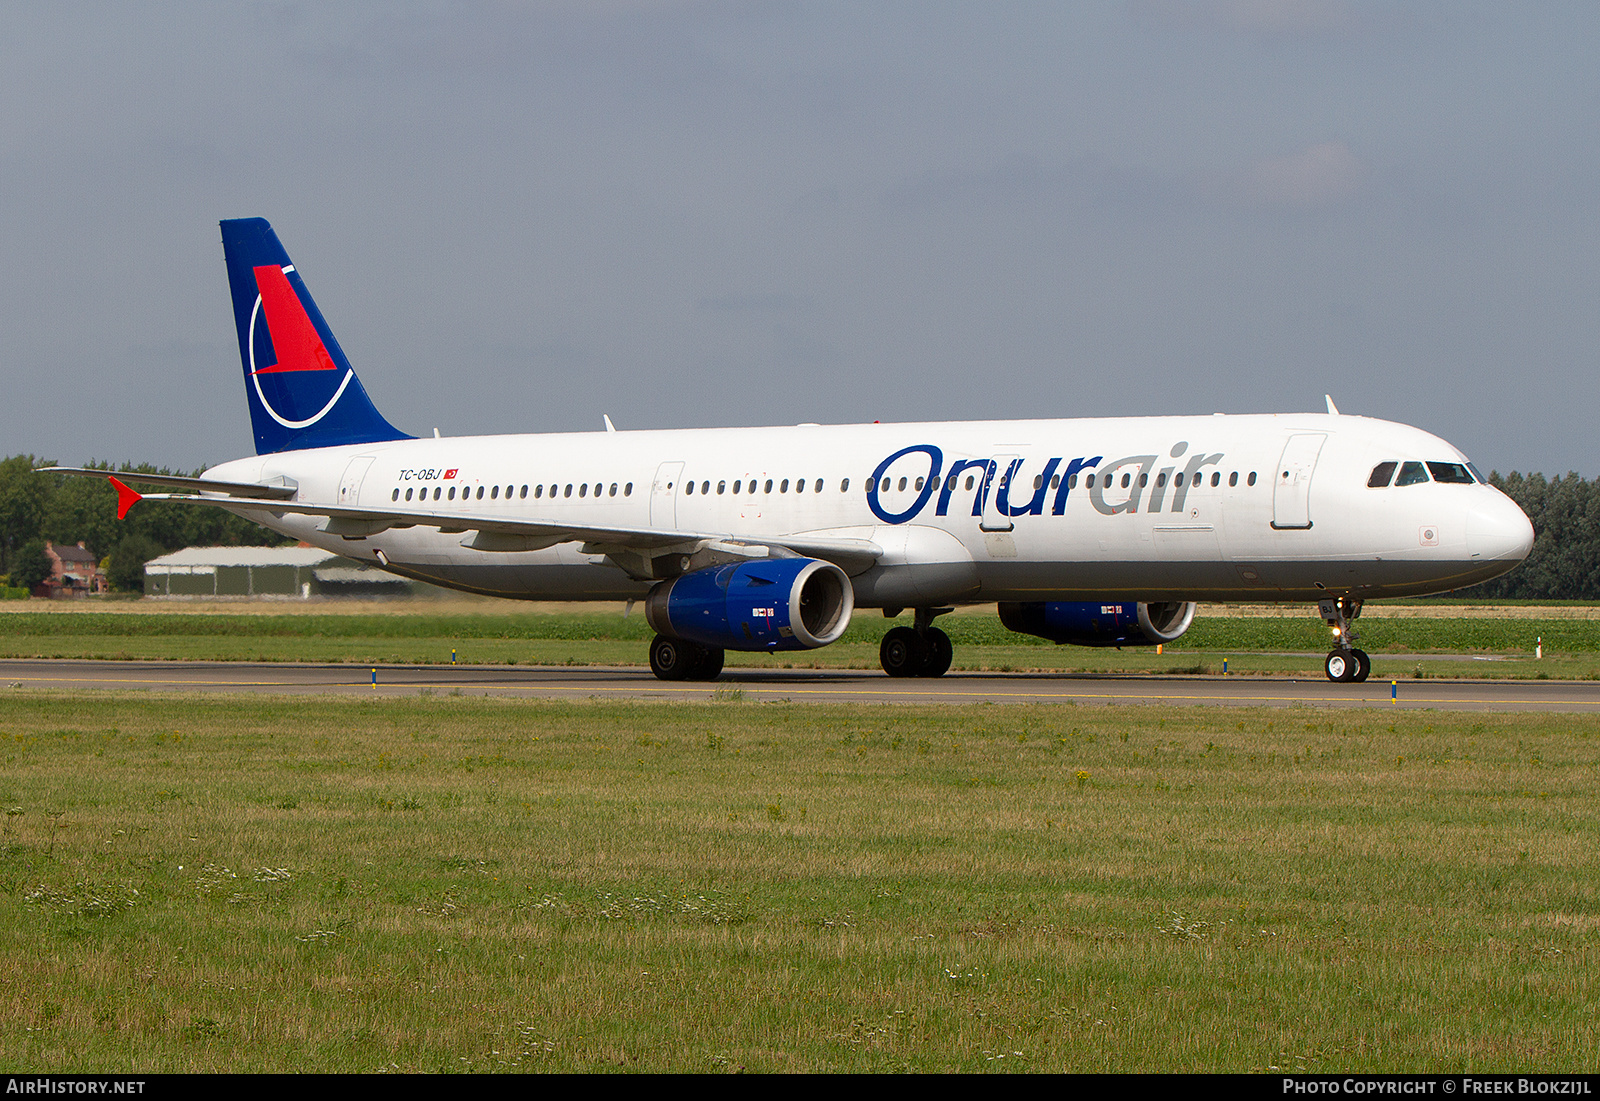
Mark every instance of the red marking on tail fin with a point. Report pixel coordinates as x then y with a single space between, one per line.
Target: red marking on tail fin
126 498
294 338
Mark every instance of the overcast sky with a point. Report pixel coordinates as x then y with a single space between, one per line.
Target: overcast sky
519 216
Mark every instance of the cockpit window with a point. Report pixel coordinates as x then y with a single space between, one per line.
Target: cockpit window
1411 474
1476 473
1450 472
1382 475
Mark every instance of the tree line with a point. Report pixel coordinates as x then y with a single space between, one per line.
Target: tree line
1565 561
34 507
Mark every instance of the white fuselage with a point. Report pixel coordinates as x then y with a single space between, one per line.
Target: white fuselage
1220 508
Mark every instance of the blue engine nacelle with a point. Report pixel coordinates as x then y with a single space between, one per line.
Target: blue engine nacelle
762 604
1108 623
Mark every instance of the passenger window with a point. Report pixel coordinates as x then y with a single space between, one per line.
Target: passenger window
705 487
736 486
969 481
784 488
1161 480
1233 479
583 490
1072 482
902 484
452 493
1126 479
408 495
396 496
818 487
1088 483
1055 483
612 492
844 486
918 485
800 485
436 492
1144 480
568 491
884 488
722 487
522 494
1252 479
627 490
1450 473
1382 475
1216 479
480 493
538 491
769 485
1411 474
494 493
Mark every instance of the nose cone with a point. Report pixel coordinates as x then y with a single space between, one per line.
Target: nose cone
1497 530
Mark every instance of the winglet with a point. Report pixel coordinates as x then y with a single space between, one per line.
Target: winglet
126 498
1333 410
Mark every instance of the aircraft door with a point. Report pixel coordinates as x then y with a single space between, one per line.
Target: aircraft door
664 496
1291 488
1002 468
350 484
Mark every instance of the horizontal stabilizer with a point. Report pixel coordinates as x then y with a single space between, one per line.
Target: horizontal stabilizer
173 481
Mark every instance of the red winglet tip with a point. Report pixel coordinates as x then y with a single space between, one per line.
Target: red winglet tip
126 498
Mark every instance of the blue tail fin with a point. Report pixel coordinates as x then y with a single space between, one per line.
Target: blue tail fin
301 389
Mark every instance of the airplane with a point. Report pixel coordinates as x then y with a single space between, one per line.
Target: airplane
1095 532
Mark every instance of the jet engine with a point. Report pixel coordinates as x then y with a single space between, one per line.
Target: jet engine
1095 623
763 604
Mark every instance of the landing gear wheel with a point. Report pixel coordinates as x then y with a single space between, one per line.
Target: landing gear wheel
940 653
1341 666
673 658
903 652
710 666
1363 666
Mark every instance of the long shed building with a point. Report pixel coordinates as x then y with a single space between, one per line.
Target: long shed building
266 572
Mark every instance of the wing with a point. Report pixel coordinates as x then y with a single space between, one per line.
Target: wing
634 550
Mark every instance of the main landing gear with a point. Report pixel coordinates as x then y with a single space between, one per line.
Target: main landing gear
919 651
679 659
1344 662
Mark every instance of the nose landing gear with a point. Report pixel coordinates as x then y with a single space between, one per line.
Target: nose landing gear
1345 662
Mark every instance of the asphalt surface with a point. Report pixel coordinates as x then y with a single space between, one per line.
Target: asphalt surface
826 686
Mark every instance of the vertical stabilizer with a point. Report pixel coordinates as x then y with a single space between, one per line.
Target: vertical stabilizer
301 390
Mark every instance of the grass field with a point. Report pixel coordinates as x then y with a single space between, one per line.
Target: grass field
467 884
486 633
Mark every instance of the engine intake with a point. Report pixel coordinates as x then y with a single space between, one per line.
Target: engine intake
768 604
1094 623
